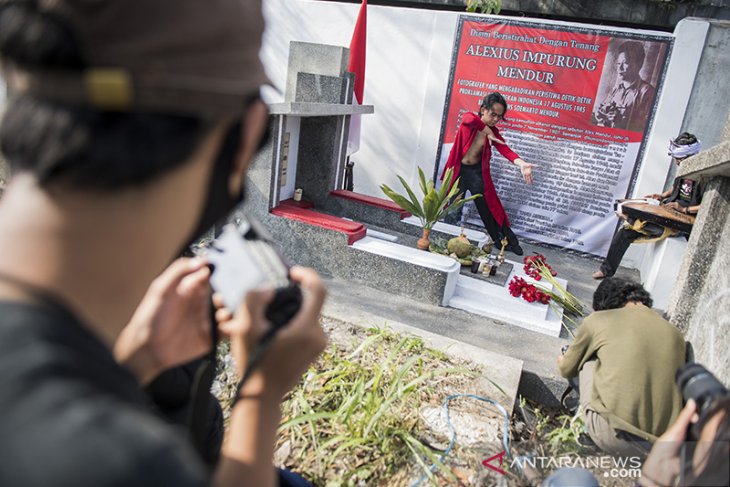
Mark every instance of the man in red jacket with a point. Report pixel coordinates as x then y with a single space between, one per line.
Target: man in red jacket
470 158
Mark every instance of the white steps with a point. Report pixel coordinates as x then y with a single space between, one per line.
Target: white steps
470 294
486 299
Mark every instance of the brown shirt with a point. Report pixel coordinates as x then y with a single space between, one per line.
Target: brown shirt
637 355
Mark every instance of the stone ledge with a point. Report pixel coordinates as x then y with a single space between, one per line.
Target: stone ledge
396 251
714 161
309 109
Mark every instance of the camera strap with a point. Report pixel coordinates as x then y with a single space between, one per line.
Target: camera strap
565 395
200 393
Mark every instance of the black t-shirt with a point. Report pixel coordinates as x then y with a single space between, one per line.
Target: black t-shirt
70 415
687 192
686 189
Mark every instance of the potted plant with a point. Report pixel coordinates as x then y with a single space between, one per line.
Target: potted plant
433 206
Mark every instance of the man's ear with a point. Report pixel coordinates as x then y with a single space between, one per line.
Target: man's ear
253 127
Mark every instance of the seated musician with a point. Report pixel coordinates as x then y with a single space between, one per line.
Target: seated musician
683 197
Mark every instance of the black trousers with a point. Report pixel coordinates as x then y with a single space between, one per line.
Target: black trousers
622 239
471 180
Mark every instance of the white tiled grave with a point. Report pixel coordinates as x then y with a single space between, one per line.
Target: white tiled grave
494 301
392 250
470 294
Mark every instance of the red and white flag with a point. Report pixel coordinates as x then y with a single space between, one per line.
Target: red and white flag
357 66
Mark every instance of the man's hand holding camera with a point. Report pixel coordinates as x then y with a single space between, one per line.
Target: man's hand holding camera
607 114
694 435
295 346
171 325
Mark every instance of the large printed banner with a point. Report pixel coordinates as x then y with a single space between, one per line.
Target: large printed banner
580 103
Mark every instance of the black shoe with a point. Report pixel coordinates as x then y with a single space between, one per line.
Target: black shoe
586 441
515 249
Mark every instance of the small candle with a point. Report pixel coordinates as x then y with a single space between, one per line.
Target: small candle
298 194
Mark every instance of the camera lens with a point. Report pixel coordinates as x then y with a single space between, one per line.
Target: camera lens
698 383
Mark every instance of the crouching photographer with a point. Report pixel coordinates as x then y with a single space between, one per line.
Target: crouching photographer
625 357
695 450
129 130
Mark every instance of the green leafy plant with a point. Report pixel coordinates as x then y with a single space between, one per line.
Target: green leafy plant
435 204
484 6
565 436
355 417
557 433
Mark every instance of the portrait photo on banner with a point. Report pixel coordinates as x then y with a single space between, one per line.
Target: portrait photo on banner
628 85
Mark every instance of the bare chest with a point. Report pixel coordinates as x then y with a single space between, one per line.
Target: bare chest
474 154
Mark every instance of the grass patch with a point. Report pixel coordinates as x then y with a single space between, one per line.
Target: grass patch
355 417
554 432
358 416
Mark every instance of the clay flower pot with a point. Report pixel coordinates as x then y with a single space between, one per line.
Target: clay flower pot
424 242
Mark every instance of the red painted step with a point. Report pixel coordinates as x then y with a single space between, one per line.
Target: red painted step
354 230
370 200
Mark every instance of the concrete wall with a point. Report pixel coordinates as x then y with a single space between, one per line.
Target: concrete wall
709 104
706 320
409 53
701 296
702 46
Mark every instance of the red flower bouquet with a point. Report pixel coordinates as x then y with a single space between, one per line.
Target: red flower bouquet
557 297
536 265
529 292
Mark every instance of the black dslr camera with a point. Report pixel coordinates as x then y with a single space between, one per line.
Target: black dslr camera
698 383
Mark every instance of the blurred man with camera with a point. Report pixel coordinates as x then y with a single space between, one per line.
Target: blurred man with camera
626 357
129 130
695 450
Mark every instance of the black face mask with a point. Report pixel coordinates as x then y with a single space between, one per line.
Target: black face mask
218 201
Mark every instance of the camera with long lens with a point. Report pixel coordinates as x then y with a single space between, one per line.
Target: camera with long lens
698 383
